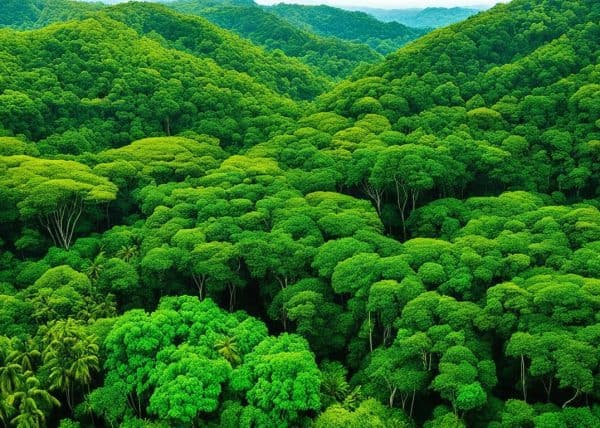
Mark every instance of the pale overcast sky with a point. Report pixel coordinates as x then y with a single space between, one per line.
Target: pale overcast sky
391 4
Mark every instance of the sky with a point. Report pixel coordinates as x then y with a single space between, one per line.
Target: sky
383 4
390 4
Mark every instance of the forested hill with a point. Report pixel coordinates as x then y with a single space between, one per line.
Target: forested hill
335 57
330 50
514 81
26 14
430 17
88 84
190 34
196 35
352 26
530 48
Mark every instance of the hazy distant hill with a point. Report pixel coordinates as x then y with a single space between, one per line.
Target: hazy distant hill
431 17
355 26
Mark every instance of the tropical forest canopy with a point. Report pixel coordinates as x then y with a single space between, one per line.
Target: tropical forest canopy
218 214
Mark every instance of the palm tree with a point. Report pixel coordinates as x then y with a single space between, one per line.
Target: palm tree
11 378
60 338
334 387
29 400
102 306
71 356
6 411
60 378
5 349
24 353
127 252
32 419
43 308
228 349
85 360
353 399
95 268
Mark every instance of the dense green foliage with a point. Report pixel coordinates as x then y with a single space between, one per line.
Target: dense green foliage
26 14
182 245
430 17
192 35
335 57
197 36
354 26
89 84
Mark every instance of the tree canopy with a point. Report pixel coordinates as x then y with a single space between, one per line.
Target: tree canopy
202 228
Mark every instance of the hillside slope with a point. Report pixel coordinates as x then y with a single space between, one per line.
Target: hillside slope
424 251
203 39
337 58
521 79
27 14
103 84
190 34
353 26
474 54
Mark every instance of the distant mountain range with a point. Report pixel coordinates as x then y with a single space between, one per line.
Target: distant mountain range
431 17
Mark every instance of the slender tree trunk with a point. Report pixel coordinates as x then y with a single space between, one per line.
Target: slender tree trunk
90 410
415 196
392 395
403 398
375 194
548 388
45 221
387 332
412 403
107 213
168 126
523 378
401 204
283 283
199 282
131 403
571 399
69 399
232 294
62 222
370 332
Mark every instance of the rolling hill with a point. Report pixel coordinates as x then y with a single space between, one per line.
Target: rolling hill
190 34
466 85
356 27
335 57
99 81
429 17
28 14
203 39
